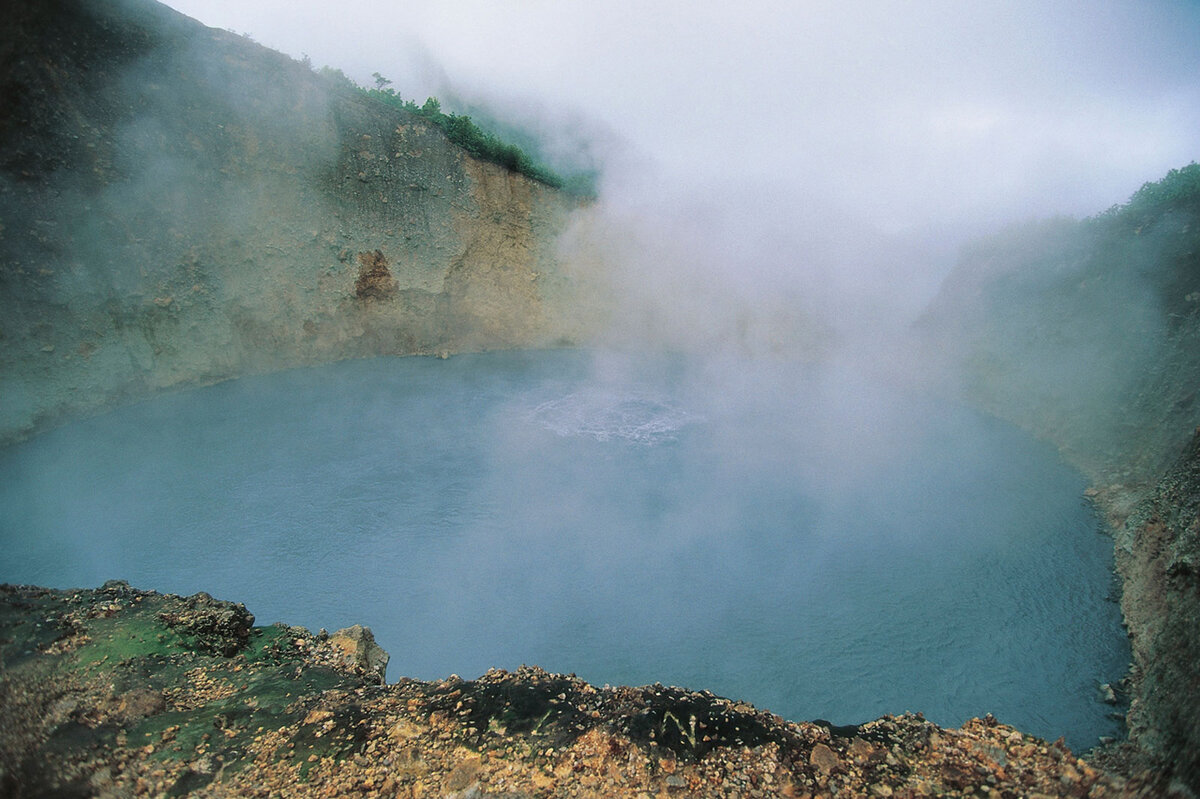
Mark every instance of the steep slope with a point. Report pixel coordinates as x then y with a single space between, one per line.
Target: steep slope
1088 334
1158 553
181 205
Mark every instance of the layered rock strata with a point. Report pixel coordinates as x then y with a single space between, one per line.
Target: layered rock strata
180 205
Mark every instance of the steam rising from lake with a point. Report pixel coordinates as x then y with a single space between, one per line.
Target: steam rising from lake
775 509
774 174
821 542
605 415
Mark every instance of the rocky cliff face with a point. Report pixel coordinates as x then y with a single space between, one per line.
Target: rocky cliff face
1088 334
1158 554
180 205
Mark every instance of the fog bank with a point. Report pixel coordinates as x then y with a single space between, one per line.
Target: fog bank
830 158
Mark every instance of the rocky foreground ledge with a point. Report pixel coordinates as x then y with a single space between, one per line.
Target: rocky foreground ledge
118 692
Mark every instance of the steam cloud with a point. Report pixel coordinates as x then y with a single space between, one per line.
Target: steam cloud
780 180
772 169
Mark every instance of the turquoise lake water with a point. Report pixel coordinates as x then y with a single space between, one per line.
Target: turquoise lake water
808 539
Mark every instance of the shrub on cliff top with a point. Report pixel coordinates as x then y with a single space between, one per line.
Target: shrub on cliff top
1179 190
464 132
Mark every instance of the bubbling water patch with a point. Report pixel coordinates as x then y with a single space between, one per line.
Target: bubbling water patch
606 415
814 541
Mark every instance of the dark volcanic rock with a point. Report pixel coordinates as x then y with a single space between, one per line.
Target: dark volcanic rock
222 628
1158 554
150 695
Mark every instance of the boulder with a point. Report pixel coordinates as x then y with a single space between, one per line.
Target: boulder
358 649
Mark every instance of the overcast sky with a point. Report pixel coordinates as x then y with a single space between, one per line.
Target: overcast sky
928 120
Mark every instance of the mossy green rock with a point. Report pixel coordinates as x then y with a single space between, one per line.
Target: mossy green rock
188 681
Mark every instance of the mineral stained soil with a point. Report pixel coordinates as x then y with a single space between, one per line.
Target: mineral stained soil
119 692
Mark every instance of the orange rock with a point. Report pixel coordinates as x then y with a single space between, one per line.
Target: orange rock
824 759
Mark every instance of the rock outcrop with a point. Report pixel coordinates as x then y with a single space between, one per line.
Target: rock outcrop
1158 554
359 650
180 205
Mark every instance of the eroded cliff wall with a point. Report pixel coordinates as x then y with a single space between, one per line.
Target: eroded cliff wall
1158 553
181 205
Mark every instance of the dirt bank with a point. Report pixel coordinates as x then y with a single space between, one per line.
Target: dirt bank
118 692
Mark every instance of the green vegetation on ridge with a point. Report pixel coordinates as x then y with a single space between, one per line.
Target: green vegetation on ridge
1085 330
463 131
1179 190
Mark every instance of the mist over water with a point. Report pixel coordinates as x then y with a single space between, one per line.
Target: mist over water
769 171
816 539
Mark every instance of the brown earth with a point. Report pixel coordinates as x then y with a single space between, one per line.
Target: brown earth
118 692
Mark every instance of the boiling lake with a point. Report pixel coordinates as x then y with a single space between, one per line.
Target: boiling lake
810 539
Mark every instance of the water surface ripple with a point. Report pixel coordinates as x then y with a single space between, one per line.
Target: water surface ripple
807 539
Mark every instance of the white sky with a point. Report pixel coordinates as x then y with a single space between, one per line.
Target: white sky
936 119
